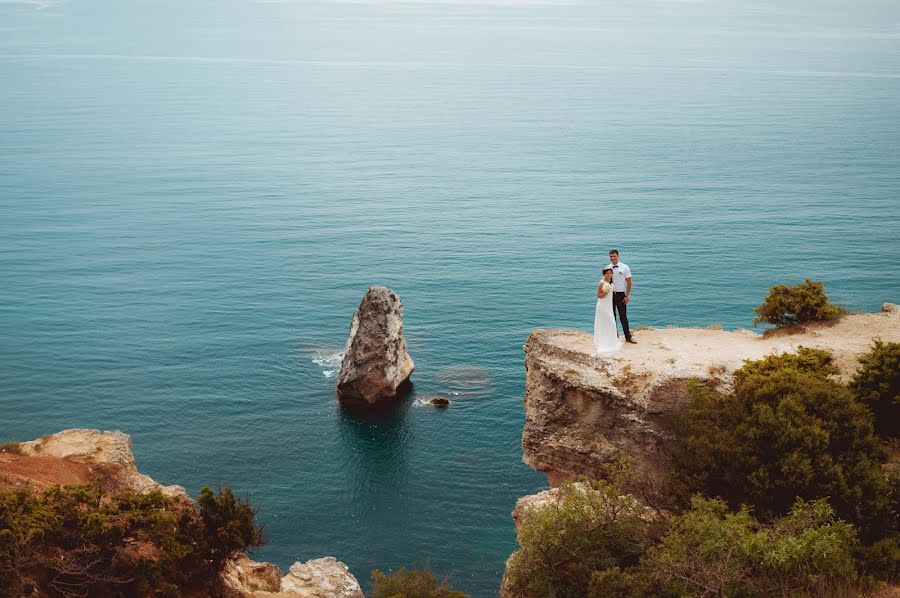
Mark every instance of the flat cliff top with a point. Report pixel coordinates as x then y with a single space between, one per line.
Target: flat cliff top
77 457
584 411
687 352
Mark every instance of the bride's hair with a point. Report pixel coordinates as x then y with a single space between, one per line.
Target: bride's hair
605 270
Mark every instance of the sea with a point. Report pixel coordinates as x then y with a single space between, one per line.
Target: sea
194 197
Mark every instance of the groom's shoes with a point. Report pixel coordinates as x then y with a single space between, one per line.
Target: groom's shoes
630 340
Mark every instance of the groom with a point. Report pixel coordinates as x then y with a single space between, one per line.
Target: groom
621 291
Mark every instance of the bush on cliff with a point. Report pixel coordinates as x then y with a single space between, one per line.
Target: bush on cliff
786 432
82 540
805 302
706 551
877 385
565 543
710 551
411 584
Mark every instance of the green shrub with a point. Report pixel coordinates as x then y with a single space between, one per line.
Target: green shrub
228 524
805 302
590 528
877 384
710 551
815 362
82 540
786 432
410 584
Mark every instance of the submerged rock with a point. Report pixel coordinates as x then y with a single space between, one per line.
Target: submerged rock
464 376
376 364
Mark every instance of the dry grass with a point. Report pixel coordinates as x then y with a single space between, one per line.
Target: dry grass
716 368
715 326
12 448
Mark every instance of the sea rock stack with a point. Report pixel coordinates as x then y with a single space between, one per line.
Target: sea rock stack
376 364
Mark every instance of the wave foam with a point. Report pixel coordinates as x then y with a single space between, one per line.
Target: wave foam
329 360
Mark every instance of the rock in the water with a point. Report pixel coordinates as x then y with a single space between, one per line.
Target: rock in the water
439 402
376 364
321 578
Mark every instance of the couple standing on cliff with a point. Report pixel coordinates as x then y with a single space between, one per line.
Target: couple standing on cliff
613 295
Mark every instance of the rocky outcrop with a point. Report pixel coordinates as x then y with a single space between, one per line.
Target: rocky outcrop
77 457
321 578
584 412
317 578
83 456
376 364
245 578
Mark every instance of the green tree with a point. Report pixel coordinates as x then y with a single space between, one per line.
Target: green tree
410 584
805 302
590 528
85 540
877 384
710 551
785 432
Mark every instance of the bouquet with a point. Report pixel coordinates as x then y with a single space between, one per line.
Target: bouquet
605 287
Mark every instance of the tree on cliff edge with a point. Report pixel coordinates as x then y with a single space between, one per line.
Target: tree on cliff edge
787 431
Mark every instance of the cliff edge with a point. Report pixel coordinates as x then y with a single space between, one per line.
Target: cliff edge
584 412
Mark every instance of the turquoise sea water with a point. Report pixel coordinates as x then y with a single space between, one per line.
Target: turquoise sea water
195 196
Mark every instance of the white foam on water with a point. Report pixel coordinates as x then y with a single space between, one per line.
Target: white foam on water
329 360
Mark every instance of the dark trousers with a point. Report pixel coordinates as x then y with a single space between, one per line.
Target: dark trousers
619 306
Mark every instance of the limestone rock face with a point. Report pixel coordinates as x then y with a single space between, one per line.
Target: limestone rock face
318 578
245 578
106 453
583 412
321 578
376 364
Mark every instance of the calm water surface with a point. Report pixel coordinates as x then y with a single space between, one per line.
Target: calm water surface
195 196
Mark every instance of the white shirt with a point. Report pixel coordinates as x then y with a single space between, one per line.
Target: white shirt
620 273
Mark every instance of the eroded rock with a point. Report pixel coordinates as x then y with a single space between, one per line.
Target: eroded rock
106 454
321 578
246 578
318 578
376 364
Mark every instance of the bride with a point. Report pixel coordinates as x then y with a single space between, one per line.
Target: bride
606 339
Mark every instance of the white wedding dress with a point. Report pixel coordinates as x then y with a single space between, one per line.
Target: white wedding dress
606 340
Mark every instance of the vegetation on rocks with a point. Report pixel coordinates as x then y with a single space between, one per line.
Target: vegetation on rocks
85 540
706 551
591 528
777 489
806 302
877 385
411 584
786 431
711 551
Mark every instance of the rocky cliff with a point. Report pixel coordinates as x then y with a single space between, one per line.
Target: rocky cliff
82 456
584 412
78 457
